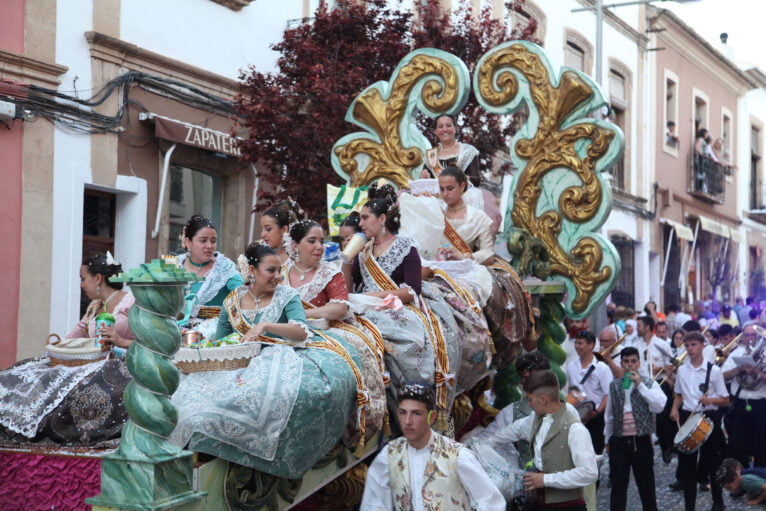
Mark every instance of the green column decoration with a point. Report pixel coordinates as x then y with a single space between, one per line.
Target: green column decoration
147 471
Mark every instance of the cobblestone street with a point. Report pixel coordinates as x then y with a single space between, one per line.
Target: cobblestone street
667 500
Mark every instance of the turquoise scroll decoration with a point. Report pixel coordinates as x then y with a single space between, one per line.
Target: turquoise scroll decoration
392 147
559 194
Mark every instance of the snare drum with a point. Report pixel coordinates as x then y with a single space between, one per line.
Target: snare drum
693 433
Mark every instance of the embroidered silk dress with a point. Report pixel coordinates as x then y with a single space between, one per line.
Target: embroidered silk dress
67 405
282 412
329 286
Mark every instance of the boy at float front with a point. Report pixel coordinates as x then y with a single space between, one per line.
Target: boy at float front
699 387
425 468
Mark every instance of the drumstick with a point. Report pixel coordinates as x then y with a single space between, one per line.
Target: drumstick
678 423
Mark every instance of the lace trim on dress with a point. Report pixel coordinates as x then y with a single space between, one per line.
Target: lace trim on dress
272 312
303 325
465 155
388 261
318 282
223 269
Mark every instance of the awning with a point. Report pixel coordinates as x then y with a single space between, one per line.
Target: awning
682 231
712 226
193 135
736 236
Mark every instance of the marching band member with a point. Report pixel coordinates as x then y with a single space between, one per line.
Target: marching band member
699 385
592 378
748 412
633 401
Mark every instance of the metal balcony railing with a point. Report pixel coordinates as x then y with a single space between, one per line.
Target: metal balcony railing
708 178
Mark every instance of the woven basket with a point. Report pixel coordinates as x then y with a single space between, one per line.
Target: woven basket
58 358
222 358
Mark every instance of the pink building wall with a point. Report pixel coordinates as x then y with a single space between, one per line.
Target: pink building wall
11 39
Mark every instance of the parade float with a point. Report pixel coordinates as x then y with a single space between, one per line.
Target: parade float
557 200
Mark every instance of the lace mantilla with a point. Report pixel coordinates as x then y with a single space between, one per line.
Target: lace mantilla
388 261
223 269
322 277
466 154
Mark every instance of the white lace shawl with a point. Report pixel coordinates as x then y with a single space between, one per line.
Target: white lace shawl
388 261
272 312
223 269
465 155
323 276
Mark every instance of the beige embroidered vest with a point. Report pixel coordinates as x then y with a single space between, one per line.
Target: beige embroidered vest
442 489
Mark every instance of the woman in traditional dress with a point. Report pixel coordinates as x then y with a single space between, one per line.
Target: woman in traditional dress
275 224
389 268
451 153
290 405
221 276
453 230
73 405
348 228
323 291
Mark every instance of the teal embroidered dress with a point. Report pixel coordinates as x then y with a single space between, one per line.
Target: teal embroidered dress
282 412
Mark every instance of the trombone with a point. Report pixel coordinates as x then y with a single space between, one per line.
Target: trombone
607 352
677 361
721 354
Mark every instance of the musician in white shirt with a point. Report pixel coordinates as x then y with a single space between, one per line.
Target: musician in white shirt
591 378
699 387
746 421
654 352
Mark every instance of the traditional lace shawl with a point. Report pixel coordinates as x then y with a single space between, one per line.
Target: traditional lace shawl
223 269
323 276
388 261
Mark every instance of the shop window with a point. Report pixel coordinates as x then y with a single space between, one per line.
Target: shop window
192 192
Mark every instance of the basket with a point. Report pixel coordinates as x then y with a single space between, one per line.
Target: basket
222 358
77 356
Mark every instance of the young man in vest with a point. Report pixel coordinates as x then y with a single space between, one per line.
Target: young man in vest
592 378
562 451
633 402
699 387
423 470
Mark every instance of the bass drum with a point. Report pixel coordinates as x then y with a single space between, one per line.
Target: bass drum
693 433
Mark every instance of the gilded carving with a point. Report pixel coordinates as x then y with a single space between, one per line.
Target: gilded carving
559 196
430 80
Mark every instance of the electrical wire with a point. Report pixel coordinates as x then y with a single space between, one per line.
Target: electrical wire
76 115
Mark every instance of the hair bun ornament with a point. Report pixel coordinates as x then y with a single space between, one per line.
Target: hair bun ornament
110 259
244 268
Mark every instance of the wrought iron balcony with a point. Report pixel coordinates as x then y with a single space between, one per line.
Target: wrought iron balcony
708 179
